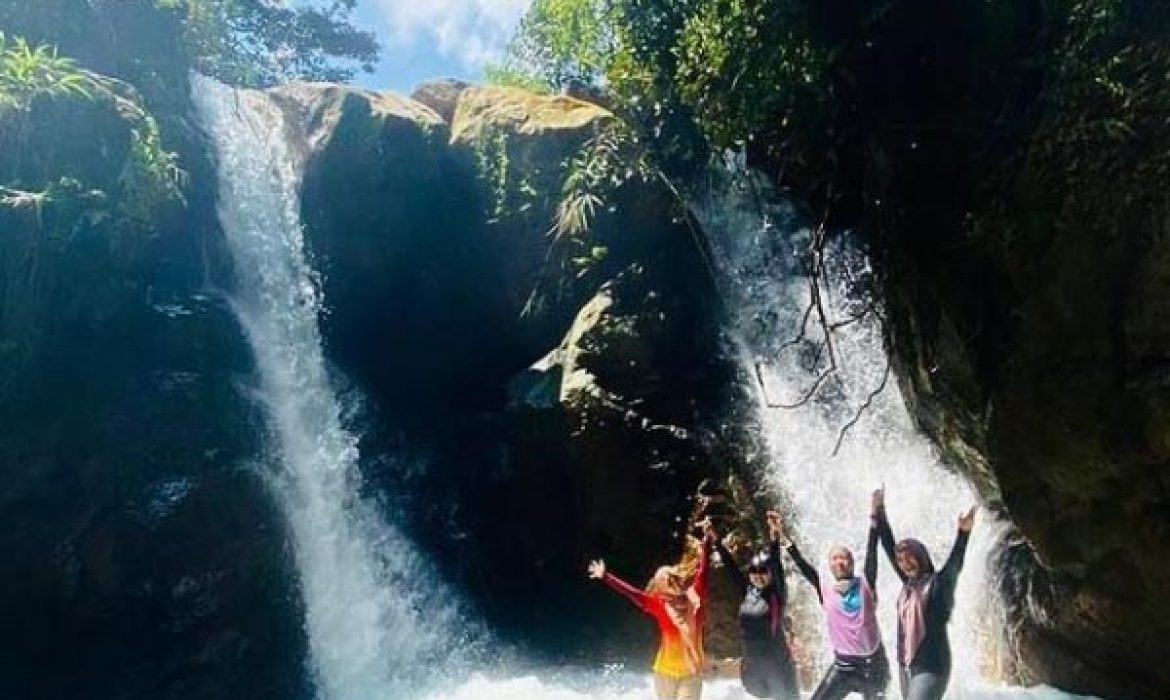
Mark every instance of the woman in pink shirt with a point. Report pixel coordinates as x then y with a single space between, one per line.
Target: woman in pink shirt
850 606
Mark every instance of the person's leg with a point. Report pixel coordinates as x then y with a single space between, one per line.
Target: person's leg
770 677
666 687
926 686
876 677
752 673
691 687
788 689
903 682
834 686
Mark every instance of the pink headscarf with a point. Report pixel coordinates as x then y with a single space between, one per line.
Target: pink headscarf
912 602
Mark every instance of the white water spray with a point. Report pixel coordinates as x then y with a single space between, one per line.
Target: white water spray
829 495
376 618
805 404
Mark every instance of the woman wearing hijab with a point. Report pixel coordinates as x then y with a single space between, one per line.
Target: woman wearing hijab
678 609
766 669
924 606
850 605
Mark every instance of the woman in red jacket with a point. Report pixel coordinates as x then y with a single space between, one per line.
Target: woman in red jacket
679 611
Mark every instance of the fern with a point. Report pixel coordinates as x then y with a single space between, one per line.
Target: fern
28 72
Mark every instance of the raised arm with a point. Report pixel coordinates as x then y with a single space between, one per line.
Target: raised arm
730 565
881 524
776 526
635 596
700 584
871 565
949 574
779 585
806 569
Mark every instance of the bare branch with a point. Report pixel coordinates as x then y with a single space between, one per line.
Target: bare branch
803 328
808 394
862 408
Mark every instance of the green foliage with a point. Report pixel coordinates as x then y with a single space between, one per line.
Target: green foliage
826 99
1102 149
150 177
563 42
687 74
494 166
154 43
605 162
261 43
508 75
28 72
750 69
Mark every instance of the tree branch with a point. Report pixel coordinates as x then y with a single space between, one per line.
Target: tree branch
861 409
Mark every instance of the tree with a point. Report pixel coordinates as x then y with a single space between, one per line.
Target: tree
261 42
153 43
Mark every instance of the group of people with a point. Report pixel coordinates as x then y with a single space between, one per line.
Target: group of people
849 602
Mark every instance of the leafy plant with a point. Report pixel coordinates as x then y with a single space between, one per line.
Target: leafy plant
494 165
261 43
151 176
28 72
506 74
602 164
563 42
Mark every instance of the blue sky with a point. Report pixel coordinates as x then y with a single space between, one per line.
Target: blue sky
423 39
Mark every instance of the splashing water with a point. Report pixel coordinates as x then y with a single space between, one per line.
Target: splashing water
829 496
376 619
631 687
810 390
378 624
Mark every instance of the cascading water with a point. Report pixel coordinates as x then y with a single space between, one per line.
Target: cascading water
377 622
810 391
376 619
767 296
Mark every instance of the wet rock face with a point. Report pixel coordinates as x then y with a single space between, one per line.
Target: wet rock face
141 555
551 407
1041 374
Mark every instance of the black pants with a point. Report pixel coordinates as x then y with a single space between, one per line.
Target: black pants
868 675
769 675
923 685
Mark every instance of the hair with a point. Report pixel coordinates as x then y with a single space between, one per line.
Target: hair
656 583
918 551
760 563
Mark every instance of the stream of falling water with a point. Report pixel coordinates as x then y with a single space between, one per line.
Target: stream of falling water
377 618
380 624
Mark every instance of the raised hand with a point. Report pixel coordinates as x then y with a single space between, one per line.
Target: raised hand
708 527
877 502
597 568
776 528
967 520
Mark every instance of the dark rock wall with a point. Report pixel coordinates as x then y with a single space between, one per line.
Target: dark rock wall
548 416
142 556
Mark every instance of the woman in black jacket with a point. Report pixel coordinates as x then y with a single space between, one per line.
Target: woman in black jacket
924 606
766 670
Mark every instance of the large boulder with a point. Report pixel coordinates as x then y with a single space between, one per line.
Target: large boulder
555 394
1041 371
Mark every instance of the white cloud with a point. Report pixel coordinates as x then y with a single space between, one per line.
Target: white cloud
471 31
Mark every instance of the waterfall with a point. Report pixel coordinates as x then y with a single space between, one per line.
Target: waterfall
816 398
379 624
756 252
376 619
